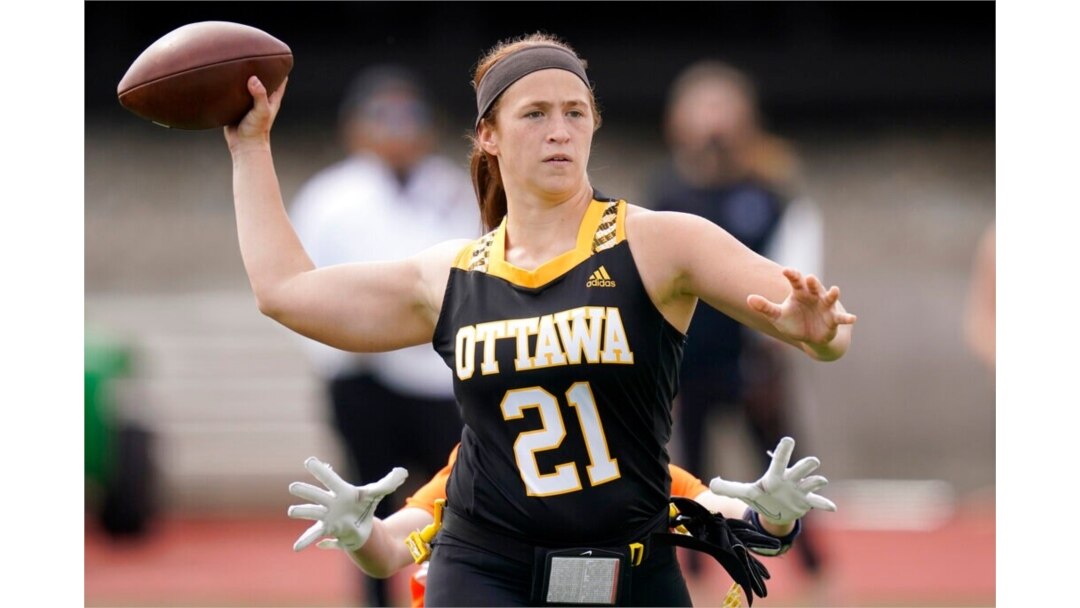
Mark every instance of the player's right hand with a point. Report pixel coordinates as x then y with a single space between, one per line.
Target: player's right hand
343 512
256 124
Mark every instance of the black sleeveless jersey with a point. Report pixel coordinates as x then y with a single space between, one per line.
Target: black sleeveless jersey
564 376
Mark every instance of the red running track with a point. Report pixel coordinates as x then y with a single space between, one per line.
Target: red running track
248 561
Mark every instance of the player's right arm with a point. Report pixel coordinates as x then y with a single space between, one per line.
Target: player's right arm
362 307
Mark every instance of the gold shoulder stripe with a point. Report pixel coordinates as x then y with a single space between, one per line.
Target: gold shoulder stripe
608 233
475 255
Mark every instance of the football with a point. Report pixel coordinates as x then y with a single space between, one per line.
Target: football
195 77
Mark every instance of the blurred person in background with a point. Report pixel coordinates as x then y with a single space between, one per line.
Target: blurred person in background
980 318
391 197
726 167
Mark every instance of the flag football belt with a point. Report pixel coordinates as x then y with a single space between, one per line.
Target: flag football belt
600 575
582 575
732 542
419 541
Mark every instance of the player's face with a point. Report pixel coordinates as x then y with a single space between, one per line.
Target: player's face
544 133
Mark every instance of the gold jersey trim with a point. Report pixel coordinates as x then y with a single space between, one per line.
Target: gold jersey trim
474 256
602 227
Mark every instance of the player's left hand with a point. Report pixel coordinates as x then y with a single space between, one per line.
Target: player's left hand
783 494
809 314
345 512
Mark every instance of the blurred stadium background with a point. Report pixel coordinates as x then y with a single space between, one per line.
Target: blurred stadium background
891 106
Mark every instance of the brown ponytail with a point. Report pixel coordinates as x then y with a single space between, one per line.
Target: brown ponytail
487 182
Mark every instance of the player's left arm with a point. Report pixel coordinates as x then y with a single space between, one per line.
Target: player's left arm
735 509
783 495
685 484
711 265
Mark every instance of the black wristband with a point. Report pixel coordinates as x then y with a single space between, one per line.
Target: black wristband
786 541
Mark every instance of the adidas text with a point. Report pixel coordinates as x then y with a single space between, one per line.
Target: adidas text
600 278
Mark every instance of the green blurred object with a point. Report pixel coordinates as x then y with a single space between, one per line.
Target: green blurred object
106 359
119 452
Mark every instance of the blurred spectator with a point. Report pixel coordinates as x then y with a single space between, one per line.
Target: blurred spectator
980 319
390 198
725 167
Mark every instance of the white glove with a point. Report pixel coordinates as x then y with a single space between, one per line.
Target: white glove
345 513
781 496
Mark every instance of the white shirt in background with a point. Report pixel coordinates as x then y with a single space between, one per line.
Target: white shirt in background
356 210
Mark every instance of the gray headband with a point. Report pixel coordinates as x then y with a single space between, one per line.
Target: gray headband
519 64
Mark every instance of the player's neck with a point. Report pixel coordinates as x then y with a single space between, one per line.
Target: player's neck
539 230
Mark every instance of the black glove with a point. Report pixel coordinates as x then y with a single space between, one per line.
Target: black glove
729 541
750 536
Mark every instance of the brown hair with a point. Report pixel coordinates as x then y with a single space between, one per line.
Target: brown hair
487 182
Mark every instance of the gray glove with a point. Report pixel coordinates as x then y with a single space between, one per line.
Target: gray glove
345 512
783 494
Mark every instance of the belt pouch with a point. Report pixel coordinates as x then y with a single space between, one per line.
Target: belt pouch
584 576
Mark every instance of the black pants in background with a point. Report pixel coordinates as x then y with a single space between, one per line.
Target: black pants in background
758 384
382 429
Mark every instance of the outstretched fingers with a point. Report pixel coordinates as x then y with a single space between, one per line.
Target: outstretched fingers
812 484
327 476
795 278
814 286
309 492
841 317
833 296
731 489
760 304
845 318
802 468
312 512
820 502
780 457
309 536
390 482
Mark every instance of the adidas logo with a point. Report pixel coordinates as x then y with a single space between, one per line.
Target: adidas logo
600 278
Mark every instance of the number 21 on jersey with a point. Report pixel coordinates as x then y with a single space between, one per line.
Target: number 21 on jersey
602 467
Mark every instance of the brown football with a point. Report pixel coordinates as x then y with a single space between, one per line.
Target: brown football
195 77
